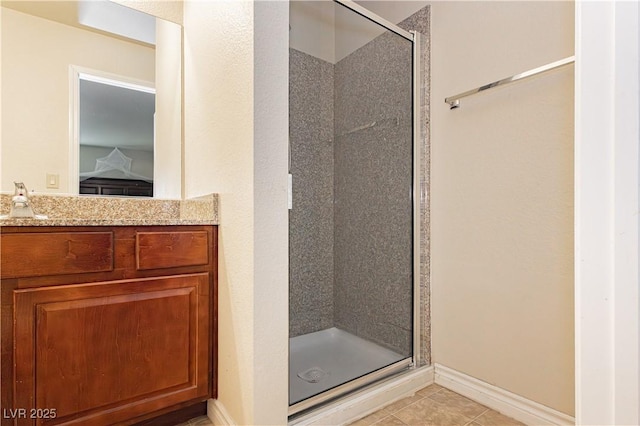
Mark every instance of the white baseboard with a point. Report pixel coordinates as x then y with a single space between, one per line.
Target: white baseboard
218 414
498 399
368 400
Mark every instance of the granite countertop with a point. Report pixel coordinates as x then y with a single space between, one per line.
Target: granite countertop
64 210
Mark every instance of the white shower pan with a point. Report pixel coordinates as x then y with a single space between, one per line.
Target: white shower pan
328 358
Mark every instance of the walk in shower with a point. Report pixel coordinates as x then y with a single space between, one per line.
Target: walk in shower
353 222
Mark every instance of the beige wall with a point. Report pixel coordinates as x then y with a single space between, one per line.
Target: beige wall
236 126
1 97
168 119
36 54
218 120
502 198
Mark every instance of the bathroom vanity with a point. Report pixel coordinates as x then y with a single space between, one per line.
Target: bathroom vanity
107 324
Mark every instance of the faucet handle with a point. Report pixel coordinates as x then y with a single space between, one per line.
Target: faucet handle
20 201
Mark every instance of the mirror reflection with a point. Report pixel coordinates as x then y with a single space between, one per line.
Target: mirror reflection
115 129
88 106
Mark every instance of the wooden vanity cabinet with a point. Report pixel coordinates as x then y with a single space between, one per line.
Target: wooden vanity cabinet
106 325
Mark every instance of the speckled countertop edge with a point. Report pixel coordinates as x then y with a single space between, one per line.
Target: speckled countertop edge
64 210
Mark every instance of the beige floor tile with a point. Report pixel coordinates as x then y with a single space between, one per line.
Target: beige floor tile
459 403
203 421
429 412
430 390
198 421
390 409
371 418
390 421
493 418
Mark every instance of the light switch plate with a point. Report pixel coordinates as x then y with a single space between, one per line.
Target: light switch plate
53 180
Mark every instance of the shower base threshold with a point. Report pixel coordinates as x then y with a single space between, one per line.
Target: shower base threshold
328 358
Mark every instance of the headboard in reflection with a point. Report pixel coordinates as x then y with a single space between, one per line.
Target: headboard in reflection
45 47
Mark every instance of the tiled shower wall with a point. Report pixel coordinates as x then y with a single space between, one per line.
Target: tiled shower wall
420 22
356 240
372 189
311 219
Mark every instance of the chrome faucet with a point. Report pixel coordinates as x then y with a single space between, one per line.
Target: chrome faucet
20 202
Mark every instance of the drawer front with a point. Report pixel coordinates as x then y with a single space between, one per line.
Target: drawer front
56 253
157 250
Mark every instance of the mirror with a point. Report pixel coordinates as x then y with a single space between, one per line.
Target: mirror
53 51
114 123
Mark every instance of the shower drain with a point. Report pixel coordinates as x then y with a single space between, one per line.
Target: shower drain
313 375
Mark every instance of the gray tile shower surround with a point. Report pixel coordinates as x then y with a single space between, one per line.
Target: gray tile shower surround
311 219
336 249
421 22
372 181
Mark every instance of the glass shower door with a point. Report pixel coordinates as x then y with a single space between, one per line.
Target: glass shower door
351 225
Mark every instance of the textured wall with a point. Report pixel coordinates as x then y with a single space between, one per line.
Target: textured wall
502 198
311 219
235 134
218 157
271 235
372 184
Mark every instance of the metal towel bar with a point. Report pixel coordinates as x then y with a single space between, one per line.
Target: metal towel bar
454 101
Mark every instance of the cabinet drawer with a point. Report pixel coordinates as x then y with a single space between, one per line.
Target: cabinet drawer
156 250
56 253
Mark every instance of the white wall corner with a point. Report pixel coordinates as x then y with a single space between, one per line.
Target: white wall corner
508 403
607 106
271 215
626 206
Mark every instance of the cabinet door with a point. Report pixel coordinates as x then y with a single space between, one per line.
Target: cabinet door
104 353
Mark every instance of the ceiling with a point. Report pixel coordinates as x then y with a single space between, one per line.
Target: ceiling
113 116
330 31
395 11
101 16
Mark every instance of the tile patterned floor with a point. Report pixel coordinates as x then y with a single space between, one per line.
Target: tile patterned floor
436 406
432 406
198 421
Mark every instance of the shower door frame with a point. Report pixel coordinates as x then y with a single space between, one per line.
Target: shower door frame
413 361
